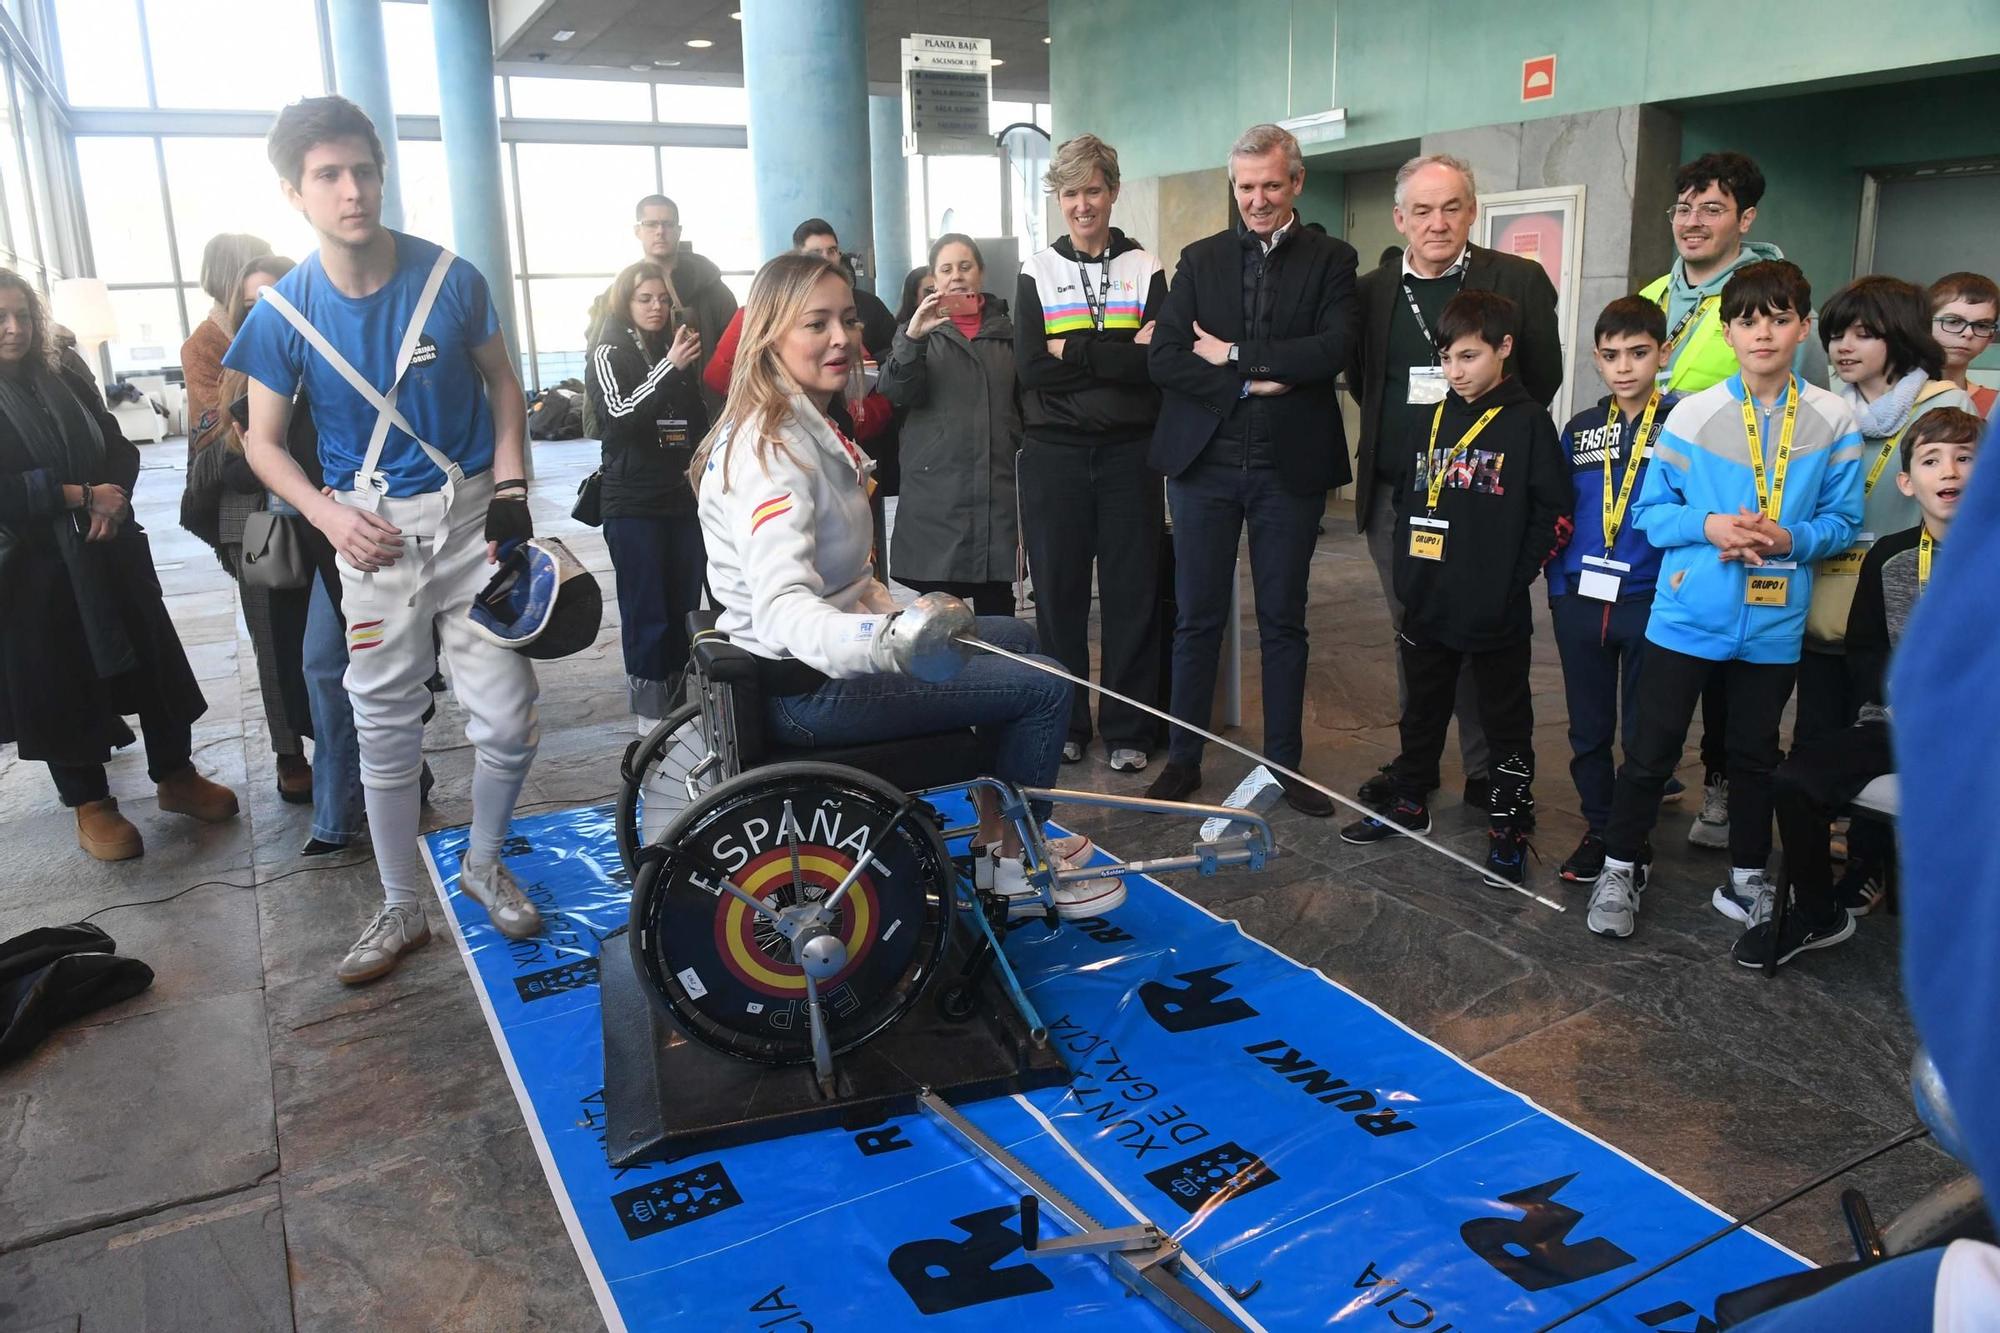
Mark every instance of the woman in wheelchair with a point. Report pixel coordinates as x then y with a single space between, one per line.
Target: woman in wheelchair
783 499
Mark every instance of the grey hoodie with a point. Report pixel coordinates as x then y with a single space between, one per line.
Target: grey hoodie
1809 364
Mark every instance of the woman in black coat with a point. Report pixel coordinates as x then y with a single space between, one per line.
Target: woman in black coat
644 384
85 638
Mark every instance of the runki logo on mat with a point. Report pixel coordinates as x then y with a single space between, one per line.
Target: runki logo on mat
1212 1177
663 1205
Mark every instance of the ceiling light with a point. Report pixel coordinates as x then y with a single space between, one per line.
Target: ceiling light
564 34
666 64
736 14
1045 41
700 43
996 60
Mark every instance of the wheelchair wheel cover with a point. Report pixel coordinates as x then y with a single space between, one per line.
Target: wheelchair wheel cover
720 970
653 781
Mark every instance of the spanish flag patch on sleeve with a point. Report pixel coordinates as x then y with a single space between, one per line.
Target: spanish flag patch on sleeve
770 509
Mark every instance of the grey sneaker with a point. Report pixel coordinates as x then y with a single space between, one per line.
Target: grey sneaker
495 890
1614 901
1711 826
1747 901
1072 752
394 932
1127 760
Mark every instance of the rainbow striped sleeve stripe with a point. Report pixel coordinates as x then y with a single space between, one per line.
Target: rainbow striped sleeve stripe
1063 317
770 509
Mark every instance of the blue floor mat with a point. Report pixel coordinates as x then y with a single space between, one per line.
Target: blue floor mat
1320 1163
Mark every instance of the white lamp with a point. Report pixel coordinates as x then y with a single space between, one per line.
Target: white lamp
83 306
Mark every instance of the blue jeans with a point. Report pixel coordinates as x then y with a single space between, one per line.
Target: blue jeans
660 562
1212 506
1026 712
1602 645
336 760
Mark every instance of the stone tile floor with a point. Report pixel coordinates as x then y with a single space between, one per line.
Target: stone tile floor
250 1145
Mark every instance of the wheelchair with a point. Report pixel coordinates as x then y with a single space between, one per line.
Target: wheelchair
789 905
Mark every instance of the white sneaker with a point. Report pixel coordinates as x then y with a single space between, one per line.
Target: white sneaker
394 932
494 889
1074 898
1711 826
644 725
1128 760
1614 900
1069 852
1744 897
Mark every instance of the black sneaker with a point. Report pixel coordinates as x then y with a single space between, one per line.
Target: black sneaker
1176 782
1507 853
1861 888
1376 793
1753 946
1586 863
1400 815
1479 794
1306 800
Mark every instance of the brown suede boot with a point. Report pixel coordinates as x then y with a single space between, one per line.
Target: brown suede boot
295 779
189 793
106 834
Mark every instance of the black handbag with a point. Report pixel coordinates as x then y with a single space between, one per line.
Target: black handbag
589 506
274 552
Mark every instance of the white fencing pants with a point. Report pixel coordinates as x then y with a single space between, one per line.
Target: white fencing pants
391 616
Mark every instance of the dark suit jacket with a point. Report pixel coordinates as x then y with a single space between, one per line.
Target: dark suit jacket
1312 335
1537 359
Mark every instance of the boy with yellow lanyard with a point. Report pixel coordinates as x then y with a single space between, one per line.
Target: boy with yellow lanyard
1601 587
1753 481
1485 507
1821 775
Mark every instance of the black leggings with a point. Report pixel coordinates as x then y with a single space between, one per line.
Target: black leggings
169 747
1670 685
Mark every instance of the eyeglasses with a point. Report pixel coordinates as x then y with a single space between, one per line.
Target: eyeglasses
1707 212
1978 328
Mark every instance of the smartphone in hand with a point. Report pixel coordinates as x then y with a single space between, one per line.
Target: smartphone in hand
958 303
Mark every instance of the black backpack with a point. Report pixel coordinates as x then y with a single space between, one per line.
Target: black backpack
557 413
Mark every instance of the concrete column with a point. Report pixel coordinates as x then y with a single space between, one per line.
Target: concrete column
805 64
471 126
361 69
891 173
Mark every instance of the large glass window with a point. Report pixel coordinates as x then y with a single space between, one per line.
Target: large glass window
580 99
150 333
121 198
251 55
219 185
413 86
103 62
12 182
576 204
700 104
718 203
426 189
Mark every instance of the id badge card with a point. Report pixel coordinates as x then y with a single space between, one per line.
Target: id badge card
1427 385
1849 561
673 432
1427 537
1769 584
1600 577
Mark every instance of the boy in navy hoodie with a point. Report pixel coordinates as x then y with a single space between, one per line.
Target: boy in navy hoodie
1601 586
1485 506
1753 480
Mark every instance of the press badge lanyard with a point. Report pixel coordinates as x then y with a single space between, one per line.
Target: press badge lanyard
369 483
1614 510
1771 495
1926 549
1435 486
1097 299
1674 335
1417 312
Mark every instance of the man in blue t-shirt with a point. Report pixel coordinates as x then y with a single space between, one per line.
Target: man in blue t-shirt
421 434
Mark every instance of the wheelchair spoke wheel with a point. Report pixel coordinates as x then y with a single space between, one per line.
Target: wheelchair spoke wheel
659 770
787 835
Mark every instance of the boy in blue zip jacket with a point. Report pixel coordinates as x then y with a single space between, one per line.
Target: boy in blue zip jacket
1752 481
1601 585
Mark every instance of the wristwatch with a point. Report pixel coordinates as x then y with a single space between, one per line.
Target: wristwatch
1233 349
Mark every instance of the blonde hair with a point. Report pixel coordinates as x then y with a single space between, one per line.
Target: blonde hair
1075 159
760 388
234 383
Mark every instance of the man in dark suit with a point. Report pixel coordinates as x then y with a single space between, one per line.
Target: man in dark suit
1394 372
1257 326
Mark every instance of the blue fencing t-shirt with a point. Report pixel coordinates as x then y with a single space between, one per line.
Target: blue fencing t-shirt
443 397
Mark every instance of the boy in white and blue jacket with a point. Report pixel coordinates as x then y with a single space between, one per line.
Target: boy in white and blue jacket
1753 480
1601 582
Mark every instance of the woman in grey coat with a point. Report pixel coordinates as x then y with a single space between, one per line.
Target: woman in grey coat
952 376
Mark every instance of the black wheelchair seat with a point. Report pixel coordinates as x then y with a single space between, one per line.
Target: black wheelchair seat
732 678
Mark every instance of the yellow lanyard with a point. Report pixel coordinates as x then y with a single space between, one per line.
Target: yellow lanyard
1771 498
1692 317
1614 510
1438 465
1925 549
